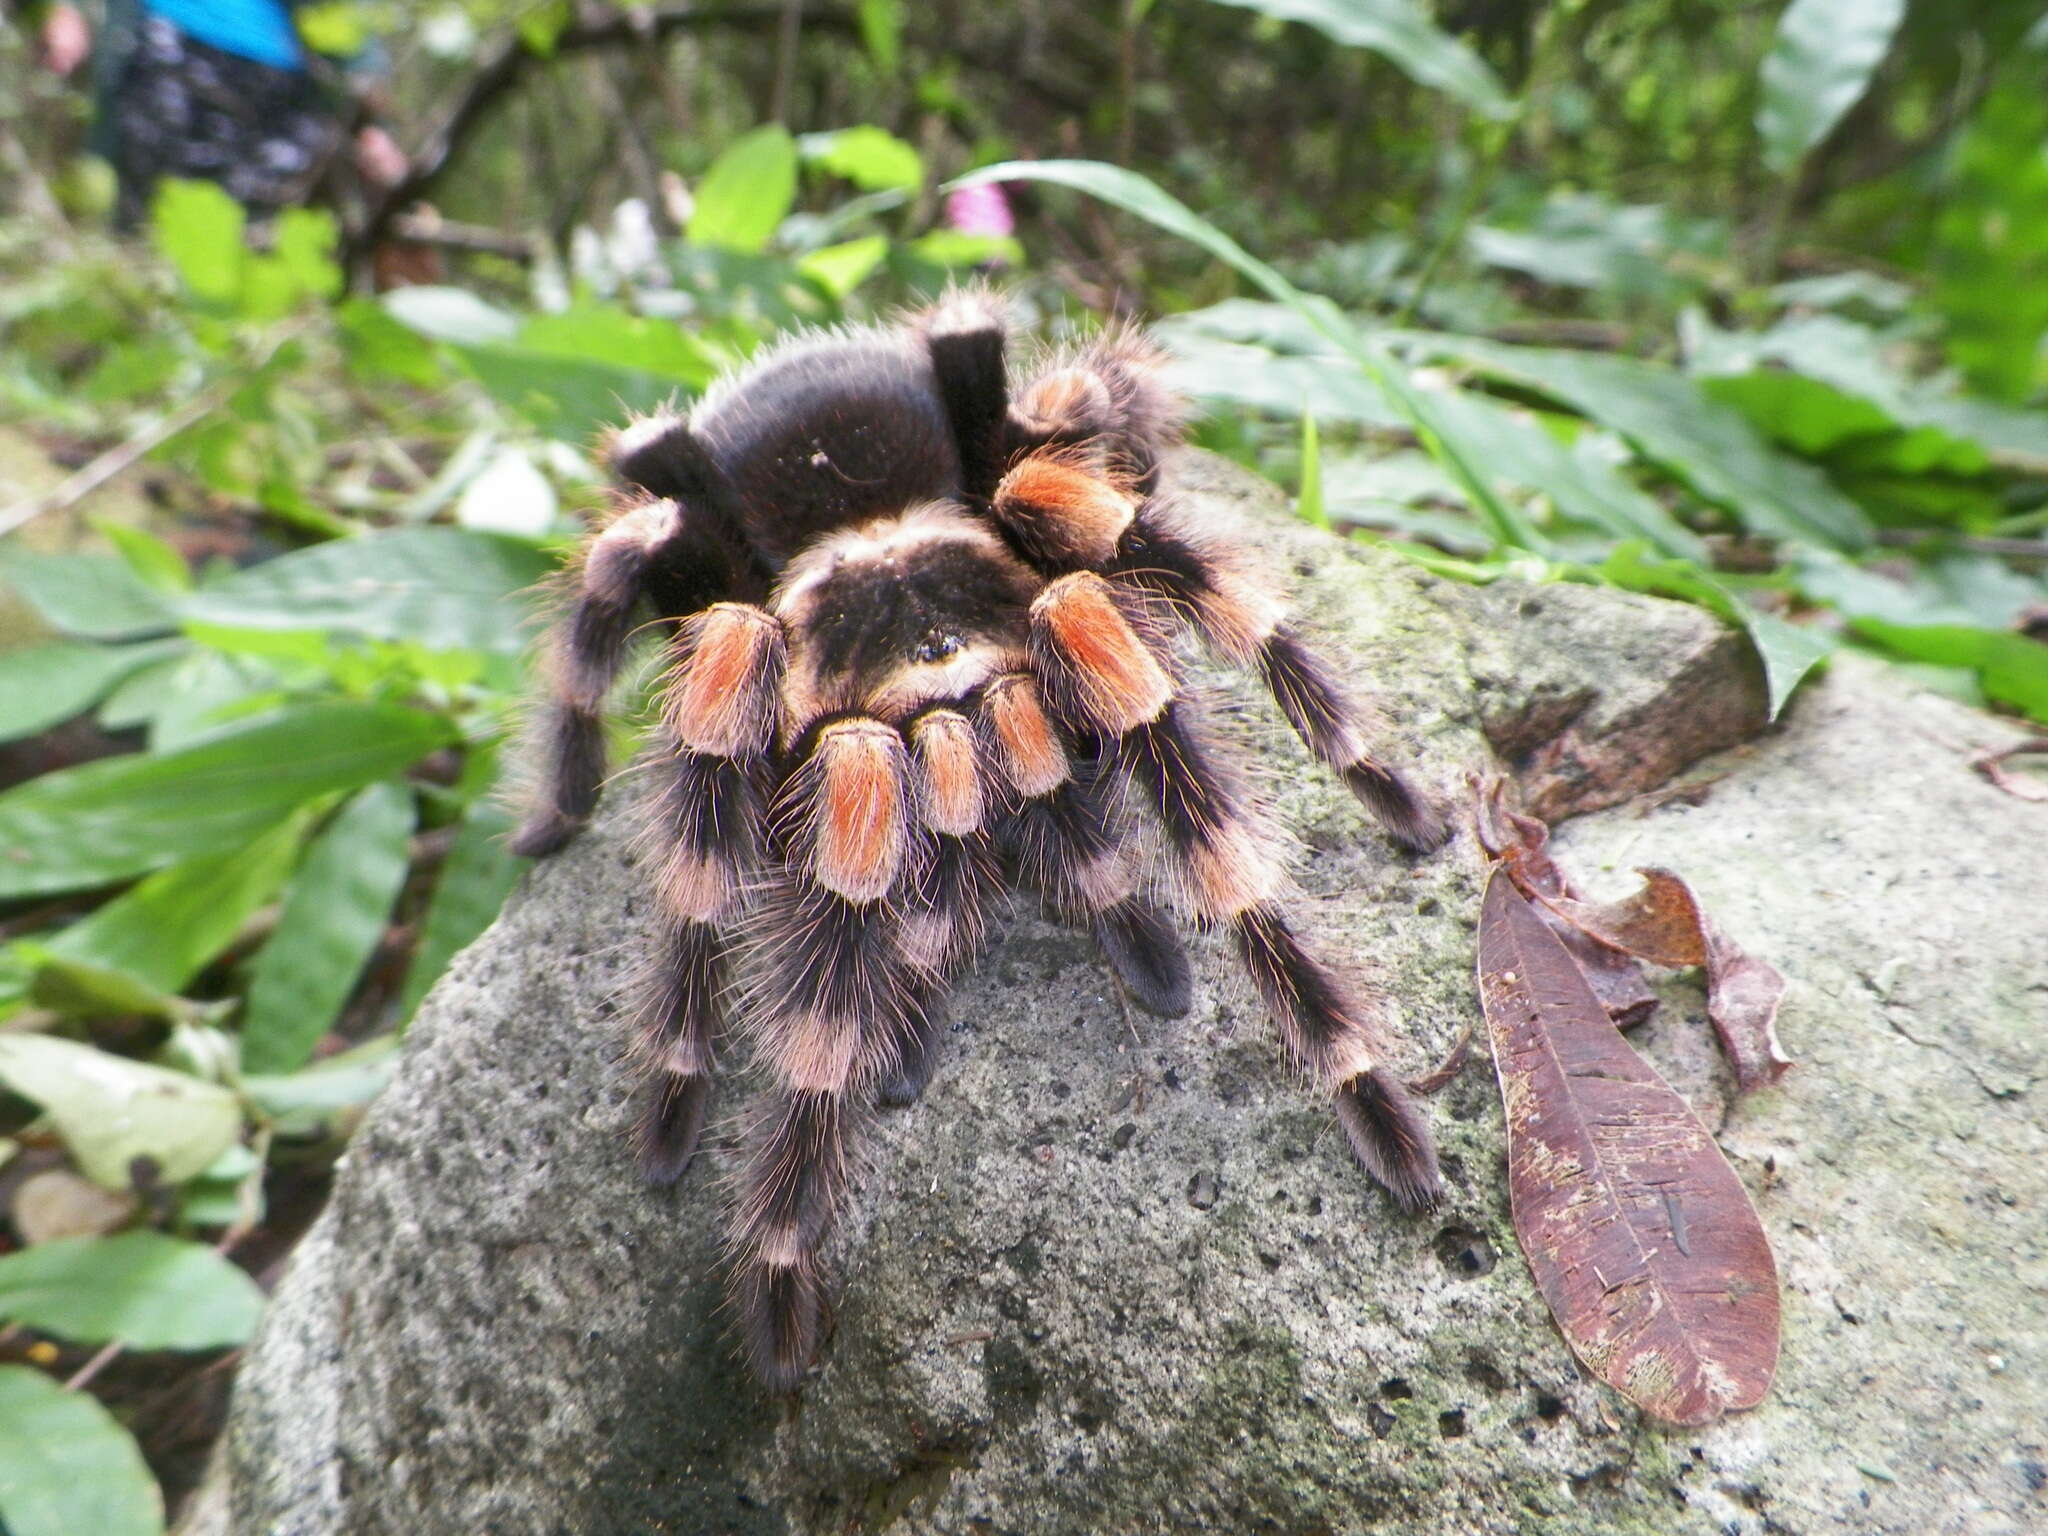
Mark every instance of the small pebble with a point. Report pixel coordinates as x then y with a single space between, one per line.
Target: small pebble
1203 1189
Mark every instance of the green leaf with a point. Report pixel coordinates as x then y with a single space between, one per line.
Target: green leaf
873 159
377 346
330 926
48 684
444 588
1401 31
747 193
306 1103
1308 503
477 877
957 248
92 825
449 314
111 1111
1788 651
1134 194
166 929
1672 421
334 27
1819 66
567 398
303 244
152 559
881 32
198 228
1990 255
67 1466
80 990
94 597
144 1289
842 268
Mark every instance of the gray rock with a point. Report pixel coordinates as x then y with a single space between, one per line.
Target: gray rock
1117 1274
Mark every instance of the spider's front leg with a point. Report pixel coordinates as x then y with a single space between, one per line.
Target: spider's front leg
1106 674
680 551
719 717
833 1002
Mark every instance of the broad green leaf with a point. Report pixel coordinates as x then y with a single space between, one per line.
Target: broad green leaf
445 588
1953 615
1671 421
1788 651
509 495
78 989
92 825
1819 66
1134 194
198 228
67 1467
111 1111
48 684
378 346
569 399
306 1102
332 920
1210 368
93 597
1990 255
145 1289
607 334
747 192
1400 31
844 267
303 244
332 27
474 882
957 248
152 559
873 159
166 929
449 314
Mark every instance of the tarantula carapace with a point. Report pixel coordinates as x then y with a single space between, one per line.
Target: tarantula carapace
922 648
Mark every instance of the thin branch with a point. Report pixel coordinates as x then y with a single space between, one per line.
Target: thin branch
83 482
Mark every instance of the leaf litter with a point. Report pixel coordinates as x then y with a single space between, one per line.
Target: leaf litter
1640 1236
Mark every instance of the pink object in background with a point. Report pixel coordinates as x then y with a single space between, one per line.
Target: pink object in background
980 210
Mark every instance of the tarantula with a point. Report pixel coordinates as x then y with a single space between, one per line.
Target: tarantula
921 649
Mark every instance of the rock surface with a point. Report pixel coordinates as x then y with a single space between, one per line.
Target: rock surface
1118 1274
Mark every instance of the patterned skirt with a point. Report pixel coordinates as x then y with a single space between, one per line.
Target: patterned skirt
183 108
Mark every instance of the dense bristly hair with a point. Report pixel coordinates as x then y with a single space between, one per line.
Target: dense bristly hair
920 649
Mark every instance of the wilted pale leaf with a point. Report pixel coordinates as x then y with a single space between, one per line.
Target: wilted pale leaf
111 1111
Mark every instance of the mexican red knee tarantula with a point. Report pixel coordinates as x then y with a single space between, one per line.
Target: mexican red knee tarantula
921 649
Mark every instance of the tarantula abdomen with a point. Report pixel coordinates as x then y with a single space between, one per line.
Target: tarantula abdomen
923 648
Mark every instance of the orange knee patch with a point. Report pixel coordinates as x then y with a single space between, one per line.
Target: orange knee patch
1230 872
1115 679
722 703
948 777
1062 512
860 829
1033 757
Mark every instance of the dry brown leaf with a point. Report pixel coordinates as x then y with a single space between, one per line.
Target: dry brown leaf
1639 1235
1520 843
1992 766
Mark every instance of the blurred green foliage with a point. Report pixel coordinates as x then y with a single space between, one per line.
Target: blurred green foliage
1735 303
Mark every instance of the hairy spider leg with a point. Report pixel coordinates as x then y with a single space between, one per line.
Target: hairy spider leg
673 554
830 999
1105 675
967 333
719 715
1063 838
